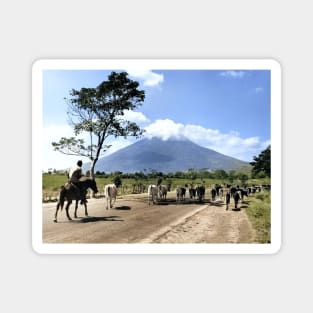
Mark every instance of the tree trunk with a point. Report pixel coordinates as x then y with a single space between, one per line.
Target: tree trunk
92 169
92 175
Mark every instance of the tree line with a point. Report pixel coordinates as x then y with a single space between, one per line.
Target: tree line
190 175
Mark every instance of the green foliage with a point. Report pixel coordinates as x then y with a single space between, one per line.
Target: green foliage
261 166
260 174
243 178
72 146
221 174
232 176
192 174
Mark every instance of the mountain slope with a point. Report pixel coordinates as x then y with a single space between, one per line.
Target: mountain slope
166 156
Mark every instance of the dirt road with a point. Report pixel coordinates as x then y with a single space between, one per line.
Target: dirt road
132 220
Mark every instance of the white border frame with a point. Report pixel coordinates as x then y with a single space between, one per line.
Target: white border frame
154 64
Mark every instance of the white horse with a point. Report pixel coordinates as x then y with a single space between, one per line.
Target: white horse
110 192
153 193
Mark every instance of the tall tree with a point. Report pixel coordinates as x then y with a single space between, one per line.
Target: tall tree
100 112
262 163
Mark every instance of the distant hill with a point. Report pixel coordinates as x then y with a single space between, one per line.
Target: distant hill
166 156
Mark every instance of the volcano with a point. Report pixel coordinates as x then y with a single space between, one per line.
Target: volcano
166 156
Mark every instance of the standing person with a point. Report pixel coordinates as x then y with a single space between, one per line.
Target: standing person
74 176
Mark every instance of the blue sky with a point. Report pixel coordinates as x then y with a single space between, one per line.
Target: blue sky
227 110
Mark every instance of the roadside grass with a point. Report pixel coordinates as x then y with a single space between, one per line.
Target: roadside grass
259 213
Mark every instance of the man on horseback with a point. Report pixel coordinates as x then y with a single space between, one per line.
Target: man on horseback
74 176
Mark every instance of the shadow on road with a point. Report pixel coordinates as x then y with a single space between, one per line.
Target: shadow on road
123 208
183 202
217 203
92 219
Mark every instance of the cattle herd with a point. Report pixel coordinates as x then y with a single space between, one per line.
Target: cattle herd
225 192
158 193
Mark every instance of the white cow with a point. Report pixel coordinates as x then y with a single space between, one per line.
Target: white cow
110 192
153 193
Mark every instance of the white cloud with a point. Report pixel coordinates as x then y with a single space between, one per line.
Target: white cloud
233 74
258 89
136 117
230 144
149 78
165 129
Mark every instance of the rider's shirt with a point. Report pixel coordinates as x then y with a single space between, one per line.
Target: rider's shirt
75 174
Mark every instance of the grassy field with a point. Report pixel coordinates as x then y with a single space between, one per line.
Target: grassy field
259 213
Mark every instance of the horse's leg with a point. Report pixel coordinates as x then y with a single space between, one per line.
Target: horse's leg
76 206
112 201
66 208
56 212
86 212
